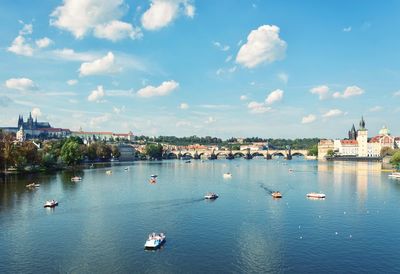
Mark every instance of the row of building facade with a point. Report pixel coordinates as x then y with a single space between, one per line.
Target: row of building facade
358 144
32 129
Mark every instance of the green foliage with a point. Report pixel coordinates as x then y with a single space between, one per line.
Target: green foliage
103 151
387 151
313 151
115 151
395 160
72 152
154 151
330 153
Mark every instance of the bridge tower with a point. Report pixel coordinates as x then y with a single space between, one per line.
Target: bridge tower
248 155
289 153
213 156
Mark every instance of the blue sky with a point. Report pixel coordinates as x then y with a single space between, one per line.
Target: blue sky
280 69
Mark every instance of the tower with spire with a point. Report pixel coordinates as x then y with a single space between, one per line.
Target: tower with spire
362 139
353 133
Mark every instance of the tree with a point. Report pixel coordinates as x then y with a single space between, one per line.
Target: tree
103 151
330 153
92 151
8 149
395 160
71 152
154 151
313 151
385 151
115 151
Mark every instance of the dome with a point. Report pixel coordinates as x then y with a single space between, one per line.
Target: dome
384 131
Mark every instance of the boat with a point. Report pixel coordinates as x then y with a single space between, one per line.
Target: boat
188 162
227 175
154 176
33 185
276 194
76 179
108 172
126 169
211 196
316 195
395 175
155 240
51 203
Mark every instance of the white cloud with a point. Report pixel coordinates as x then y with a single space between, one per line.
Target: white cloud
232 69
228 58
219 71
349 92
284 77
164 89
72 82
119 110
117 30
397 93
308 119
162 12
96 121
19 47
81 16
71 55
332 113
103 65
26 29
36 112
375 109
274 96
219 46
190 10
21 84
44 42
347 29
256 107
183 124
263 46
243 97
210 120
322 91
184 106
97 94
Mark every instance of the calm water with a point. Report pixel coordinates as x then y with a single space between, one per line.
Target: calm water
102 222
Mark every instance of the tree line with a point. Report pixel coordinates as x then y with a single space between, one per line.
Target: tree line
52 154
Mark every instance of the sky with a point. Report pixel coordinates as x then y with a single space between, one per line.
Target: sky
273 69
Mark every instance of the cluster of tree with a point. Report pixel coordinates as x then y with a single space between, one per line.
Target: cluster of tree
53 153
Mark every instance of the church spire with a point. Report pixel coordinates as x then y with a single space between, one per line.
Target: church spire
362 123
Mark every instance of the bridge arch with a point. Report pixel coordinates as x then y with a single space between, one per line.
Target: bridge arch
257 154
238 154
188 155
298 154
172 155
278 154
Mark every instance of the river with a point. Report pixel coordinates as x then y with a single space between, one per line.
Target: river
102 222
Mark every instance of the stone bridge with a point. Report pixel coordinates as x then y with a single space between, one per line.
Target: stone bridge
231 154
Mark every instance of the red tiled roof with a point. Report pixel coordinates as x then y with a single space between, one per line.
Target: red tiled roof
375 139
349 142
93 132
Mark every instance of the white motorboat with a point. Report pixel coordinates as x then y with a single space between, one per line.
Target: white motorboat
155 240
108 172
227 175
395 175
76 179
154 176
316 195
211 196
33 185
276 194
51 203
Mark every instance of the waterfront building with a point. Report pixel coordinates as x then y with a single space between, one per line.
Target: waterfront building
91 136
358 144
20 136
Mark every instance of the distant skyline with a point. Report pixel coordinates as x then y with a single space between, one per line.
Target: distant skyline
273 69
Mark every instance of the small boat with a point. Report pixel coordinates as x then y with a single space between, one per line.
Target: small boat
126 169
155 240
211 196
188 162
316 195
51 203
108 172
33 185
395 175
276 194
227 175
154 176
76 179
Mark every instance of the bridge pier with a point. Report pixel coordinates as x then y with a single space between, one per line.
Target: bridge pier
268 156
